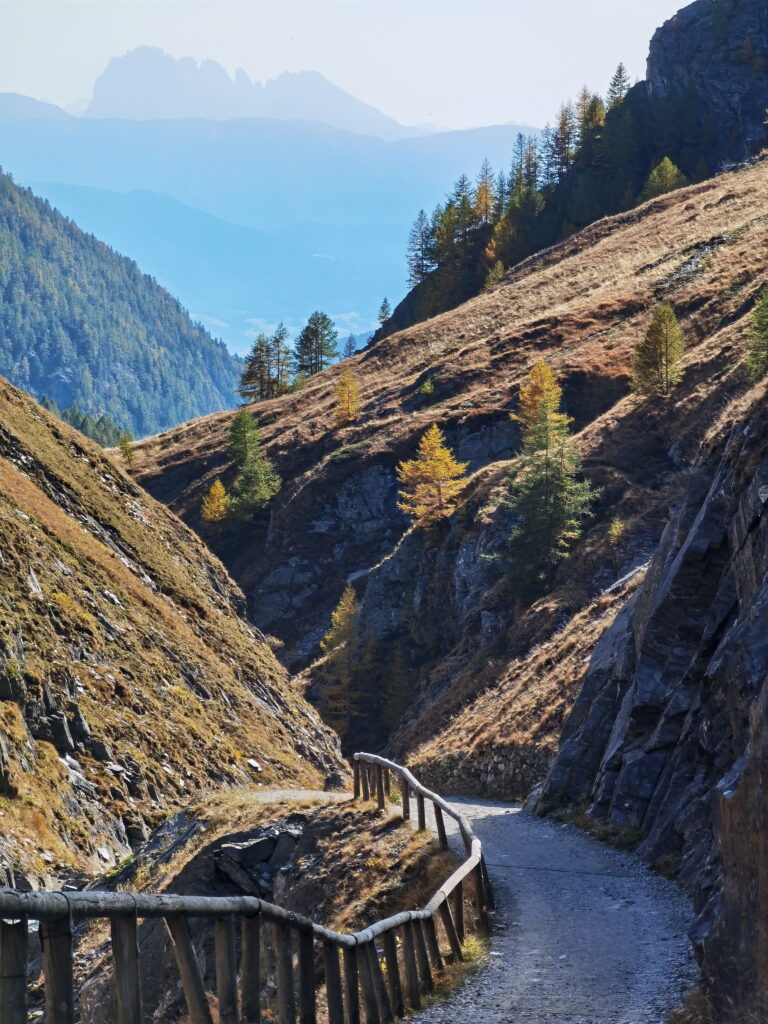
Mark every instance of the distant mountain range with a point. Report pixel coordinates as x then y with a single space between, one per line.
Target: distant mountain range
248 220
148 84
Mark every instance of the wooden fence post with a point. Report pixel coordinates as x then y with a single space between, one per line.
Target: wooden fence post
307 1004
286 999
450 930
393 973
421 812
14 943
405 796
351 988
189 971
250 969
441 827
56 940
430 930
125 951
366 983
382 994
226 970
422 956
458 910
411 971
356 776
333 983
365 778
482 914
380 787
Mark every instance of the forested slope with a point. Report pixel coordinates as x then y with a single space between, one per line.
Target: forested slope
82 325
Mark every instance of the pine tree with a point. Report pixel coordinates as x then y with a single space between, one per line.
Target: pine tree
665 177
316 345
385 311
347 398
243 437
658 357
757 360
546 497
256 380
420 260
215 503
340 645
618 88
484 194
254 487
281 358
432 480
495 274
350 347
126 448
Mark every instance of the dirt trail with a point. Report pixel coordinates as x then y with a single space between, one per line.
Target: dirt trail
583 934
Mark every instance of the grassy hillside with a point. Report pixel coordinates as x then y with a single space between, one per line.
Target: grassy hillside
443 623
128 678
82 325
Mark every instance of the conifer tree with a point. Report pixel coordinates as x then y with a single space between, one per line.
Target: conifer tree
350 347
257 377
243 437
281 358
347 398
757 360
658 356
665 177
546 497
432 480
215 503
316 345
484 194
618 88
385 311
420 261
256 482
126 448
340 645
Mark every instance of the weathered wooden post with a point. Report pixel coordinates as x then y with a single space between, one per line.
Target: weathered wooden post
450 930
56 940
427 982
356 777
382 993
351 987
189 971
333 983
14 942
125 951
250 969
411 970
458 910
422 816
365 781
482 913
286 999
393 973
307 1004
430 931
380 787
372 1015
440 827
405 796
226 970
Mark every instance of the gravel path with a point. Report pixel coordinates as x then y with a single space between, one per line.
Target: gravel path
583 934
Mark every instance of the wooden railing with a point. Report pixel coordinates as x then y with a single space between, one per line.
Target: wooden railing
390 964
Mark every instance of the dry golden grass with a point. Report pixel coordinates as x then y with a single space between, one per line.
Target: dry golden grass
131 609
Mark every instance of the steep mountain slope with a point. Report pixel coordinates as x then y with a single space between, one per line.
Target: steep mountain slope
442 622
84 326
148 84
129 679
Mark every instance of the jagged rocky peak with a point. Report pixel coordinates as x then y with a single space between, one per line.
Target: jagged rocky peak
714 53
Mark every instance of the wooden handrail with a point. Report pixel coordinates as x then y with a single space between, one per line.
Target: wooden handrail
383 994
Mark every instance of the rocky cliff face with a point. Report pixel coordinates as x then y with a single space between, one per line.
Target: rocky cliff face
129 679
713 55
668 734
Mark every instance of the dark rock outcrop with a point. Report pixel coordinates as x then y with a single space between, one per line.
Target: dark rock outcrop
668 735
713 55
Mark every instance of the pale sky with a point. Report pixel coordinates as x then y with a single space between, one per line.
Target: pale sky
456 63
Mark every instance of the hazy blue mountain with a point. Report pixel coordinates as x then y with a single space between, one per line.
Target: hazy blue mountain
15 107
148 84
264 233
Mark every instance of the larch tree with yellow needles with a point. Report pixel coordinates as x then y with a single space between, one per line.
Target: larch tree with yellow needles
215 503
347 398
432 480
540 393
340 645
